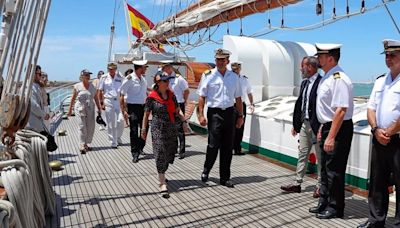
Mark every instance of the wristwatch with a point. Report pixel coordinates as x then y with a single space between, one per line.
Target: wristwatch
373 130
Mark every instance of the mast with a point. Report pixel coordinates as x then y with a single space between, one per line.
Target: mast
127 23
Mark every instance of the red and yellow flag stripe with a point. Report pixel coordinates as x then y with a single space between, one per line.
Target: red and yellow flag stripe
139 22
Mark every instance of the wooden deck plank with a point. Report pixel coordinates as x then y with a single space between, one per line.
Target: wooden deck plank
104 188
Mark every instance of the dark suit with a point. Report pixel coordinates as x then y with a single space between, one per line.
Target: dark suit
312 102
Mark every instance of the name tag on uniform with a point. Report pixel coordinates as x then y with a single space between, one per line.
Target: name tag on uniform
118 80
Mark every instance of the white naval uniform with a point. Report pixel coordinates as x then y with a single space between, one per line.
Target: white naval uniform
385 100
178 85
220 91
246 88
115 121
334 93
134 89
85 110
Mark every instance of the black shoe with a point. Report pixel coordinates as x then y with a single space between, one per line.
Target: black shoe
319 208
327 214
181 155
237 152
291 188
369 224
135 158
204 177
228 184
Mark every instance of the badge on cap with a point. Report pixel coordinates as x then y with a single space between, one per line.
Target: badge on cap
391 45
221 53
327 48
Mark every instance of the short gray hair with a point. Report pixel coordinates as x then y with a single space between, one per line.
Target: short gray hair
313 61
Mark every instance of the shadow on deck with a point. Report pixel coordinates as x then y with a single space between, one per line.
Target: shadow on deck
103 188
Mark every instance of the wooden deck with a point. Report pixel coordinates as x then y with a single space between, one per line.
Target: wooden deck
103 188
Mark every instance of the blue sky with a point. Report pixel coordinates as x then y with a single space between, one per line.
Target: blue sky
77 34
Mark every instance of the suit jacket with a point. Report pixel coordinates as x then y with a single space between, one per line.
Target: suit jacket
37 113
312 102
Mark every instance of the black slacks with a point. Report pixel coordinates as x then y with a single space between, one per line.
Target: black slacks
384 161
333 166
136 112
239 132
181 132
221 129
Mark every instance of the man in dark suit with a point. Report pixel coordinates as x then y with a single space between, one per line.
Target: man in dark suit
305 122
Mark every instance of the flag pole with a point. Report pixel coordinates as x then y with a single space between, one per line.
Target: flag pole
128 24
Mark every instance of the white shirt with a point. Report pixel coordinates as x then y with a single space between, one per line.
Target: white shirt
385 100
220 91
246 87
110 86
334 92
134 88
178 85
310 85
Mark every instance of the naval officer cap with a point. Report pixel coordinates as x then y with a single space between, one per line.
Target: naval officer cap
390 46
111 66
327 48
140 63
222 53
236 65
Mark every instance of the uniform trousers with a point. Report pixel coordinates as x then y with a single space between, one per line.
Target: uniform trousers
136 112
307 140
115 120
221 129
384 161
333 166
181 132
239 132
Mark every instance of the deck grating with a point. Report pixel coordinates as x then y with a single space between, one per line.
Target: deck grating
103 188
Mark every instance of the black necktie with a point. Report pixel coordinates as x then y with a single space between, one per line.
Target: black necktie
304 106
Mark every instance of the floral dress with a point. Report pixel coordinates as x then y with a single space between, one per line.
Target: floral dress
164 133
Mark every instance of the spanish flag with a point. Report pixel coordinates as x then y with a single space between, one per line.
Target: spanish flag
139 22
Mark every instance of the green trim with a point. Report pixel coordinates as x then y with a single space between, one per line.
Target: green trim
350 179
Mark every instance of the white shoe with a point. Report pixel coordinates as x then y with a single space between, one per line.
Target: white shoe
101 128
115 146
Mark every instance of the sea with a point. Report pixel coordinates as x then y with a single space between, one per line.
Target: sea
362 89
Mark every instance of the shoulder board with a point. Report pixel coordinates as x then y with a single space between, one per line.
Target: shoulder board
207 72
245 76
104 76
336 75
178 75
129 77
380 76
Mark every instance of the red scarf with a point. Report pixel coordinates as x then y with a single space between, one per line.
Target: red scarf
169 103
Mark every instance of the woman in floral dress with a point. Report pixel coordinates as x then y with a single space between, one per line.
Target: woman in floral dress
165 111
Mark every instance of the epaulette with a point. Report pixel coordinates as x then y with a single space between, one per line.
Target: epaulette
381 76
245 77
129 77
178 75
104 76
336 75
207 72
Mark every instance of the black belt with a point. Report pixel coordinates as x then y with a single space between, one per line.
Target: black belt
135 104
328 124
220 109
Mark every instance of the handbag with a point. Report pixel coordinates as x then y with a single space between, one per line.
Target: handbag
51 142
